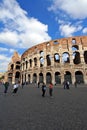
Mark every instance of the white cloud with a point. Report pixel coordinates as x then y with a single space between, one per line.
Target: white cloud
4 60
84 30
2 49
75 8
68 29
19 30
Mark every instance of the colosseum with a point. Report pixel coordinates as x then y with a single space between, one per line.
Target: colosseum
57 60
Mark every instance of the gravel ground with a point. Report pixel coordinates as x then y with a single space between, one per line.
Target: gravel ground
28 110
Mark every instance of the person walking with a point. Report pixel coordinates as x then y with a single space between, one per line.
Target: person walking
43 89
50 89
6 85
15 88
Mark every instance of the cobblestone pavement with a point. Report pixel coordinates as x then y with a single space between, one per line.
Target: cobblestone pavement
28 110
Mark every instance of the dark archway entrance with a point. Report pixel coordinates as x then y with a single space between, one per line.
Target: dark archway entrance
41 78
34 78
17 77
67 76
57 78
79 77
48 78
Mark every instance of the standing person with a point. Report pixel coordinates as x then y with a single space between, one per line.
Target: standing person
15 88
6 85
43 89
68 84
50 88
38 84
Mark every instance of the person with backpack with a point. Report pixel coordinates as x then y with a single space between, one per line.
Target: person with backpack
43 89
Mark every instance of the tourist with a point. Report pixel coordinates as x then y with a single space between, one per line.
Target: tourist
15 88
50 88
6 85
38 84
43 89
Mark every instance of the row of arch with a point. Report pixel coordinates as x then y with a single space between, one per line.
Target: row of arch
65 59
67 76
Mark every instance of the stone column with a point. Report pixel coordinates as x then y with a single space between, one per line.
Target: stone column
44 78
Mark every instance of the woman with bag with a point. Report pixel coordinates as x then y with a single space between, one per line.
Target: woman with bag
50 88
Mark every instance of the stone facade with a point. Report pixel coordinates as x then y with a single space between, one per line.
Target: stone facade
57 60
13 73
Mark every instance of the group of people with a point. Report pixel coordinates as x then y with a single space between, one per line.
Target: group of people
15 87
44 89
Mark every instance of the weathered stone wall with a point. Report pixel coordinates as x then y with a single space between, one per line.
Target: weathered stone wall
13 73
57 60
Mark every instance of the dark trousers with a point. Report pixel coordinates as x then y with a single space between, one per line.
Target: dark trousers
43 93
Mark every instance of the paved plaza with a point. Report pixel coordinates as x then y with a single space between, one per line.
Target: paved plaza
28 110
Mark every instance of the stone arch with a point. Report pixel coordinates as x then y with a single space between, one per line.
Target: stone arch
56 58
35 61
29 78
41 61
57 78
66 57
26 64
85 56
17 76
34 78
17 67
48 77
67 76
73 41
18 62
30 61
79 77
48 57
12 66
76 57
41 77
75 48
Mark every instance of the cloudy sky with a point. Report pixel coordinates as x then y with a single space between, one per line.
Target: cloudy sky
24 23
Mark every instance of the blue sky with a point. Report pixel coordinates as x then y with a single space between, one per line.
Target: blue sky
25 23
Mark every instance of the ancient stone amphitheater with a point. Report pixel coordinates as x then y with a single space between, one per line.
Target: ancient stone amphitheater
57 60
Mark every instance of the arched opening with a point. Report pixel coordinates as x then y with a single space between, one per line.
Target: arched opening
26 64
29 78
76 58
35 61
34 78
56 58
41 78
65 57
48 57
17 67
17 62
48 78
12 66
85 56
30 61
75 48
17 77
57 78
67 77
41 61
79 77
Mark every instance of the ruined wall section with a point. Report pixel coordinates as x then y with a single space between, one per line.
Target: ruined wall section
56 47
